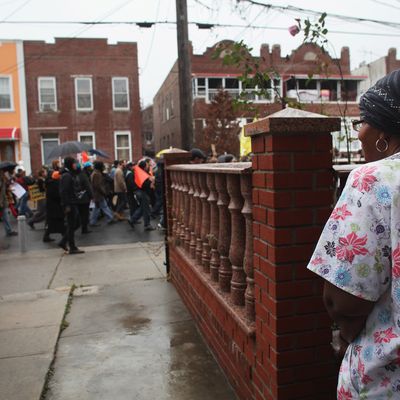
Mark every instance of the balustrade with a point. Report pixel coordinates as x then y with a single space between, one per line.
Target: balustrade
211 215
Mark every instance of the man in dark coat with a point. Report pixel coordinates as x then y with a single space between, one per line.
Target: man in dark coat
54 211
70 195
86 195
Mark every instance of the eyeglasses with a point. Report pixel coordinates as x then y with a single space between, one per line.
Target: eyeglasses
357 124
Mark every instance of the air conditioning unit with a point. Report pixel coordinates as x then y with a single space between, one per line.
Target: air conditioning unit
47 107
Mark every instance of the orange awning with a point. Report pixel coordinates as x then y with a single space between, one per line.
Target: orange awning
10 133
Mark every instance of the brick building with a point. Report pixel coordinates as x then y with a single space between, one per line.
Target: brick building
147 131
329 92
86 90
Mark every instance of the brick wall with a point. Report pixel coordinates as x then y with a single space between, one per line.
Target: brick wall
65 59
285 353
292 199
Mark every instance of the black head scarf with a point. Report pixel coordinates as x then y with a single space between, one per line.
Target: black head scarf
380 104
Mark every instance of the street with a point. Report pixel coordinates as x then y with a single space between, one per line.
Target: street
102 325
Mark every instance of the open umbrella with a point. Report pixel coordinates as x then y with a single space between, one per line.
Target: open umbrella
100 153
169 150
67 148
7 165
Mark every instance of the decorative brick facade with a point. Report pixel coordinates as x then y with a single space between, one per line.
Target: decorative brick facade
66 60
305 60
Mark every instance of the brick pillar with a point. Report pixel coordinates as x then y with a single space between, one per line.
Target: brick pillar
292 199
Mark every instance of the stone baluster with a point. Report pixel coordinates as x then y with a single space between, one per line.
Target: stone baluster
214 226
177 208
199 219
185 207
224 235
193 210
247 211
205 225
238 237
173 208
190 210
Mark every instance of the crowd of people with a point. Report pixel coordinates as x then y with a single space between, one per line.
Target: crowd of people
76 195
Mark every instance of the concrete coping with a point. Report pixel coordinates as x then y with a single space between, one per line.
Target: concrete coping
293 121
218 168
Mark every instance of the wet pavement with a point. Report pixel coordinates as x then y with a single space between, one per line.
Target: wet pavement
118 233
134 341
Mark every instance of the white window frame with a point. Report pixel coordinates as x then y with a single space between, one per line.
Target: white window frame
91 133
126 79
76 93
122 133
10 80
44 139
52 78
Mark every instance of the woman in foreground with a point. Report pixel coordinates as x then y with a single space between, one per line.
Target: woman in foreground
358 254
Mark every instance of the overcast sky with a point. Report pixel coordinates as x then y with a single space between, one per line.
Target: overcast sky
157 45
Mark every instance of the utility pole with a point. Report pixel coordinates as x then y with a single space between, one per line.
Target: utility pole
185 75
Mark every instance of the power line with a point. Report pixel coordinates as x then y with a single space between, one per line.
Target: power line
20 7
318 13
385 4
200 25
23 63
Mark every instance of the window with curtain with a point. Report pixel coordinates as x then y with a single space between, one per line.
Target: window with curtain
120 89
5 94
47 94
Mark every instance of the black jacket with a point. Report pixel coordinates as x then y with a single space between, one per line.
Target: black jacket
69 187
85 188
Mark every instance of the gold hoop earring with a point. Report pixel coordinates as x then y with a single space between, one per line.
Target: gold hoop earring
377 145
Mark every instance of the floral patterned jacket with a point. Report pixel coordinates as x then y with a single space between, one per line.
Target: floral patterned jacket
359 252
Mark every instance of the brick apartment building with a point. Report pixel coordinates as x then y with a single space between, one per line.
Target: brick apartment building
86 90
147 131
326 93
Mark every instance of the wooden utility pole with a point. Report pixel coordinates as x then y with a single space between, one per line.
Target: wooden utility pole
185 75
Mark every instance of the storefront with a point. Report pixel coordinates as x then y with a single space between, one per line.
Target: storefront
9 144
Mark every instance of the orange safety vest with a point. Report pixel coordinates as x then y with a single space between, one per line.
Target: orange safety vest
140 176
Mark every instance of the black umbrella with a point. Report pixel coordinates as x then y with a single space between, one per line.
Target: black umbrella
66 149
7 165
97 152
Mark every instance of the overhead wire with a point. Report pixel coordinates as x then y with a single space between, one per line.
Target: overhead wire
17 66
20 7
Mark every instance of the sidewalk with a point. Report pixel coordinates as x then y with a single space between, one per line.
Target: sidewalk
128 334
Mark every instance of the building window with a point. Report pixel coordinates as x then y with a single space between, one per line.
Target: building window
123 146
83 94
88 138
6 100
49 142
120 90
47 94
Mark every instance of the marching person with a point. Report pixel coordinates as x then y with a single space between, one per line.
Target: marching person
99 195
4 205
70 195
120 191
86 195
40 214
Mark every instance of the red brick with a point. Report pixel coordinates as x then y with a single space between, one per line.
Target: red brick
255 198
292 143
276 272
274 162
258 179
324 179
260 247
313 198
295 217
289 180
285 254
323 143
261 280
312 161
308 234
256 229
275 199
322 215
294 357
276 236
258 144
292 324
291 289
260 214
